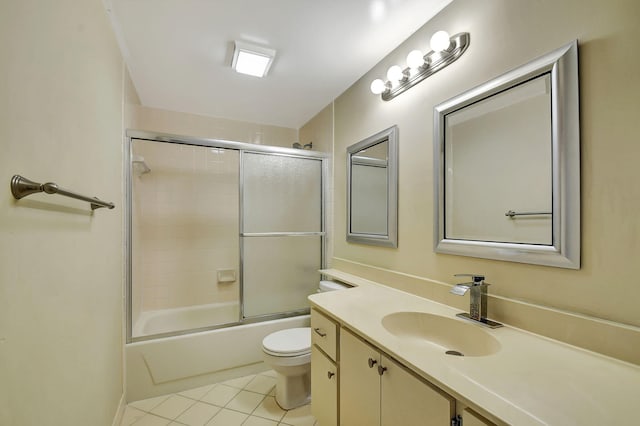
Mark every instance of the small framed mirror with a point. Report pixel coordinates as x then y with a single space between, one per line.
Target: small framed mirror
372 189
507 166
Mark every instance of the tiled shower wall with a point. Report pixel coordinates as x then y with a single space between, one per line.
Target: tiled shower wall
185 217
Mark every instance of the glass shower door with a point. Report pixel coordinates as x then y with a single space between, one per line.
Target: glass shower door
184 243
281 232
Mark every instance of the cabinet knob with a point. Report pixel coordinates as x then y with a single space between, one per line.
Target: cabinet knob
381 370
372 362
330 374
319 333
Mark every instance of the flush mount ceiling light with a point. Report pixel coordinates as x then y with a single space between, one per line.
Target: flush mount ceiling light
251 59
444 51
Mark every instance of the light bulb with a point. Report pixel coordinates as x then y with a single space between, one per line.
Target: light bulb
394 73
415 59
378 86
440 41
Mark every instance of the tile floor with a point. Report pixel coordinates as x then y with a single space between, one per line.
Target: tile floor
247 401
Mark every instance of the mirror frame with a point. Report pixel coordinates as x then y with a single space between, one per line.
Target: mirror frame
389 135
564 252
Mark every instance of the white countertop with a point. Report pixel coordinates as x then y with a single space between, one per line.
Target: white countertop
531 380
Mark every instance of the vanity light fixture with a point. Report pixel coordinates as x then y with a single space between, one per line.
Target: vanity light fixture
445 49
415 59
440 41
395 74
251 59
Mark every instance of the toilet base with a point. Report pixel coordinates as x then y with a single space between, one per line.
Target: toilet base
293 390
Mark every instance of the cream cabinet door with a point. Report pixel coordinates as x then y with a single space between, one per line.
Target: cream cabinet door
407 400
471 418
359 382
324 388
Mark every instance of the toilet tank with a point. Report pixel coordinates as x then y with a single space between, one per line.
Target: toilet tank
331 286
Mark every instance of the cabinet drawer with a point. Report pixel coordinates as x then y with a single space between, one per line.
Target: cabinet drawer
324 333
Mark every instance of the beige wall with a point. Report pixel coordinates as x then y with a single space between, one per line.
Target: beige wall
202 126
319 130
131 99
60 266
505 34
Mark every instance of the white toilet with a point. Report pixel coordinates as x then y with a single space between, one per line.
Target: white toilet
288 352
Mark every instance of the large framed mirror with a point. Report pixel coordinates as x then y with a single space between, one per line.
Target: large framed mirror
372 189
507 166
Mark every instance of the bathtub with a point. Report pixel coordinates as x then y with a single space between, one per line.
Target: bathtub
173 364
187 318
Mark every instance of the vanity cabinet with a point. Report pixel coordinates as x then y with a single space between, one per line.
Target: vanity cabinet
324 369
376 390
354 384
324 388
471 418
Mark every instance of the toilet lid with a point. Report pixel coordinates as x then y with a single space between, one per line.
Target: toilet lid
289 342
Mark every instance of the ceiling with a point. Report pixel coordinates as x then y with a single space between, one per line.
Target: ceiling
179 51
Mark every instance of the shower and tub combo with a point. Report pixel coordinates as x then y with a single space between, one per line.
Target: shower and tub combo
216 257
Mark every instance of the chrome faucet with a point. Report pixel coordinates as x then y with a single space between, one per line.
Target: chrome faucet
477 301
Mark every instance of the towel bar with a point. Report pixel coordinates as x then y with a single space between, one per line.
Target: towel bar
22 187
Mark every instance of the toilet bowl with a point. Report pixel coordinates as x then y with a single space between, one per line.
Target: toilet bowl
288 352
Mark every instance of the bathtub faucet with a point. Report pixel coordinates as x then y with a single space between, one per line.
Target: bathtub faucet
477 300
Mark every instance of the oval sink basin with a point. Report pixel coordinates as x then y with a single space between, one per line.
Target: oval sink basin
448 333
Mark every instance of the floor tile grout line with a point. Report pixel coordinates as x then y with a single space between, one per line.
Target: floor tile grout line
194 401
254 409
185 410
149 411
283 410
259 393
264 396
151 414
162 417
279 422
181 413
165 417
249 414
206 393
